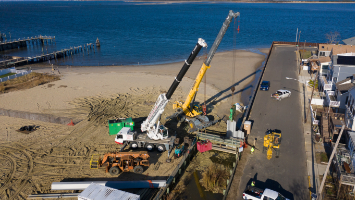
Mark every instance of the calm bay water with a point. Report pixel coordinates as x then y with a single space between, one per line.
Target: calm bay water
132 33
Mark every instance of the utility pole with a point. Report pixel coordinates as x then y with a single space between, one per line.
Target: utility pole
296 34
319 195
299 35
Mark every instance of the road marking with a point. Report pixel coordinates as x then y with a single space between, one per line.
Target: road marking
309 184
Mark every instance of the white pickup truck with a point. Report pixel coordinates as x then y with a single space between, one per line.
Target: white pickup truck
254 193
281 94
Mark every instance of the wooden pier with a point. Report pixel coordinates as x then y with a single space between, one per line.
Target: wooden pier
45 57
26 41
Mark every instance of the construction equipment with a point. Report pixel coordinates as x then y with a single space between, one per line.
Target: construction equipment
115 125
272 141
116 163
136 140
151 124
179 150
188 111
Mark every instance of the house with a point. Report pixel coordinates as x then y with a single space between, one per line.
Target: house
350 110
341 66
324 63
344 161
342 90
324 50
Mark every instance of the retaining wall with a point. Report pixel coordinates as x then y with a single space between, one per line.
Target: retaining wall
35 116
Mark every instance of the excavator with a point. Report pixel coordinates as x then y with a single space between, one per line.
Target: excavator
272 141
188 111
151 125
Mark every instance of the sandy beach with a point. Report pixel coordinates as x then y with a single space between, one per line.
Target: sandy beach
79 82
93 95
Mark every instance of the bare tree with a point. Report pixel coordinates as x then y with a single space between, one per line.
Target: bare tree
333 37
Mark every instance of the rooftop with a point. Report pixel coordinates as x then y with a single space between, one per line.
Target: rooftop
346 84
350 41
343 60
337 49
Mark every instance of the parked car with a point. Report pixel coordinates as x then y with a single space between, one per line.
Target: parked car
265 85
281 94
254 193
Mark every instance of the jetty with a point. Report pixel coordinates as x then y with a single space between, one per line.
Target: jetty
45 57
26 41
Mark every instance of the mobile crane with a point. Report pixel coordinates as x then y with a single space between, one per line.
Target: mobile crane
186 111
151 125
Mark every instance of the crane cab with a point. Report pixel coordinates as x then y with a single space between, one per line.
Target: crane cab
125 134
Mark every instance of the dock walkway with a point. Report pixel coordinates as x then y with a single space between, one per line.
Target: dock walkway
45 57
26 41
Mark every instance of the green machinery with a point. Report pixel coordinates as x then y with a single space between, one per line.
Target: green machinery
232 113
115 125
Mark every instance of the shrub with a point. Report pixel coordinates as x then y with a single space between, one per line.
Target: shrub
215 178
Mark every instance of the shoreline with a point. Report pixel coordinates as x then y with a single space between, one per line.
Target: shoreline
44 64
85 81
211 2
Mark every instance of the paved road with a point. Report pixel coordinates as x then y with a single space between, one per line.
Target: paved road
288 173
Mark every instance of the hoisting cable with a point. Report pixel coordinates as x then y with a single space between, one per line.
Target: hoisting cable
204 108
234 57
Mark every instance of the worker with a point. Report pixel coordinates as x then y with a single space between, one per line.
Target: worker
252 150
253 183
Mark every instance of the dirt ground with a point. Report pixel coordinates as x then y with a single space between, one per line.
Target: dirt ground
54 152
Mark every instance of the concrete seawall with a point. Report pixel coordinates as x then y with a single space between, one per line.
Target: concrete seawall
35 116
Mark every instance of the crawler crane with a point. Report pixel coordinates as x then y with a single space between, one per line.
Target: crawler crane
187 111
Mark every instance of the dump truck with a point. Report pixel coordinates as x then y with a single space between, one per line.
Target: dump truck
118 162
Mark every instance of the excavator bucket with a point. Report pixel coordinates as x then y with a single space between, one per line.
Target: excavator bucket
94 161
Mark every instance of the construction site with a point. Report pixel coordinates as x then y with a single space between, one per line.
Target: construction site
67 132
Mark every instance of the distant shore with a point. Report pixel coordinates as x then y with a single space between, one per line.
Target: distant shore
176 2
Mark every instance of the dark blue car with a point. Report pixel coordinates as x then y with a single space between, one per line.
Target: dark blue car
265 85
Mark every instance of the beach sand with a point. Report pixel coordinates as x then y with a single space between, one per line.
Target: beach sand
79 82
31 162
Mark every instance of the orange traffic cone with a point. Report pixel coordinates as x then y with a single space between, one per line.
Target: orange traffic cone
71 123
